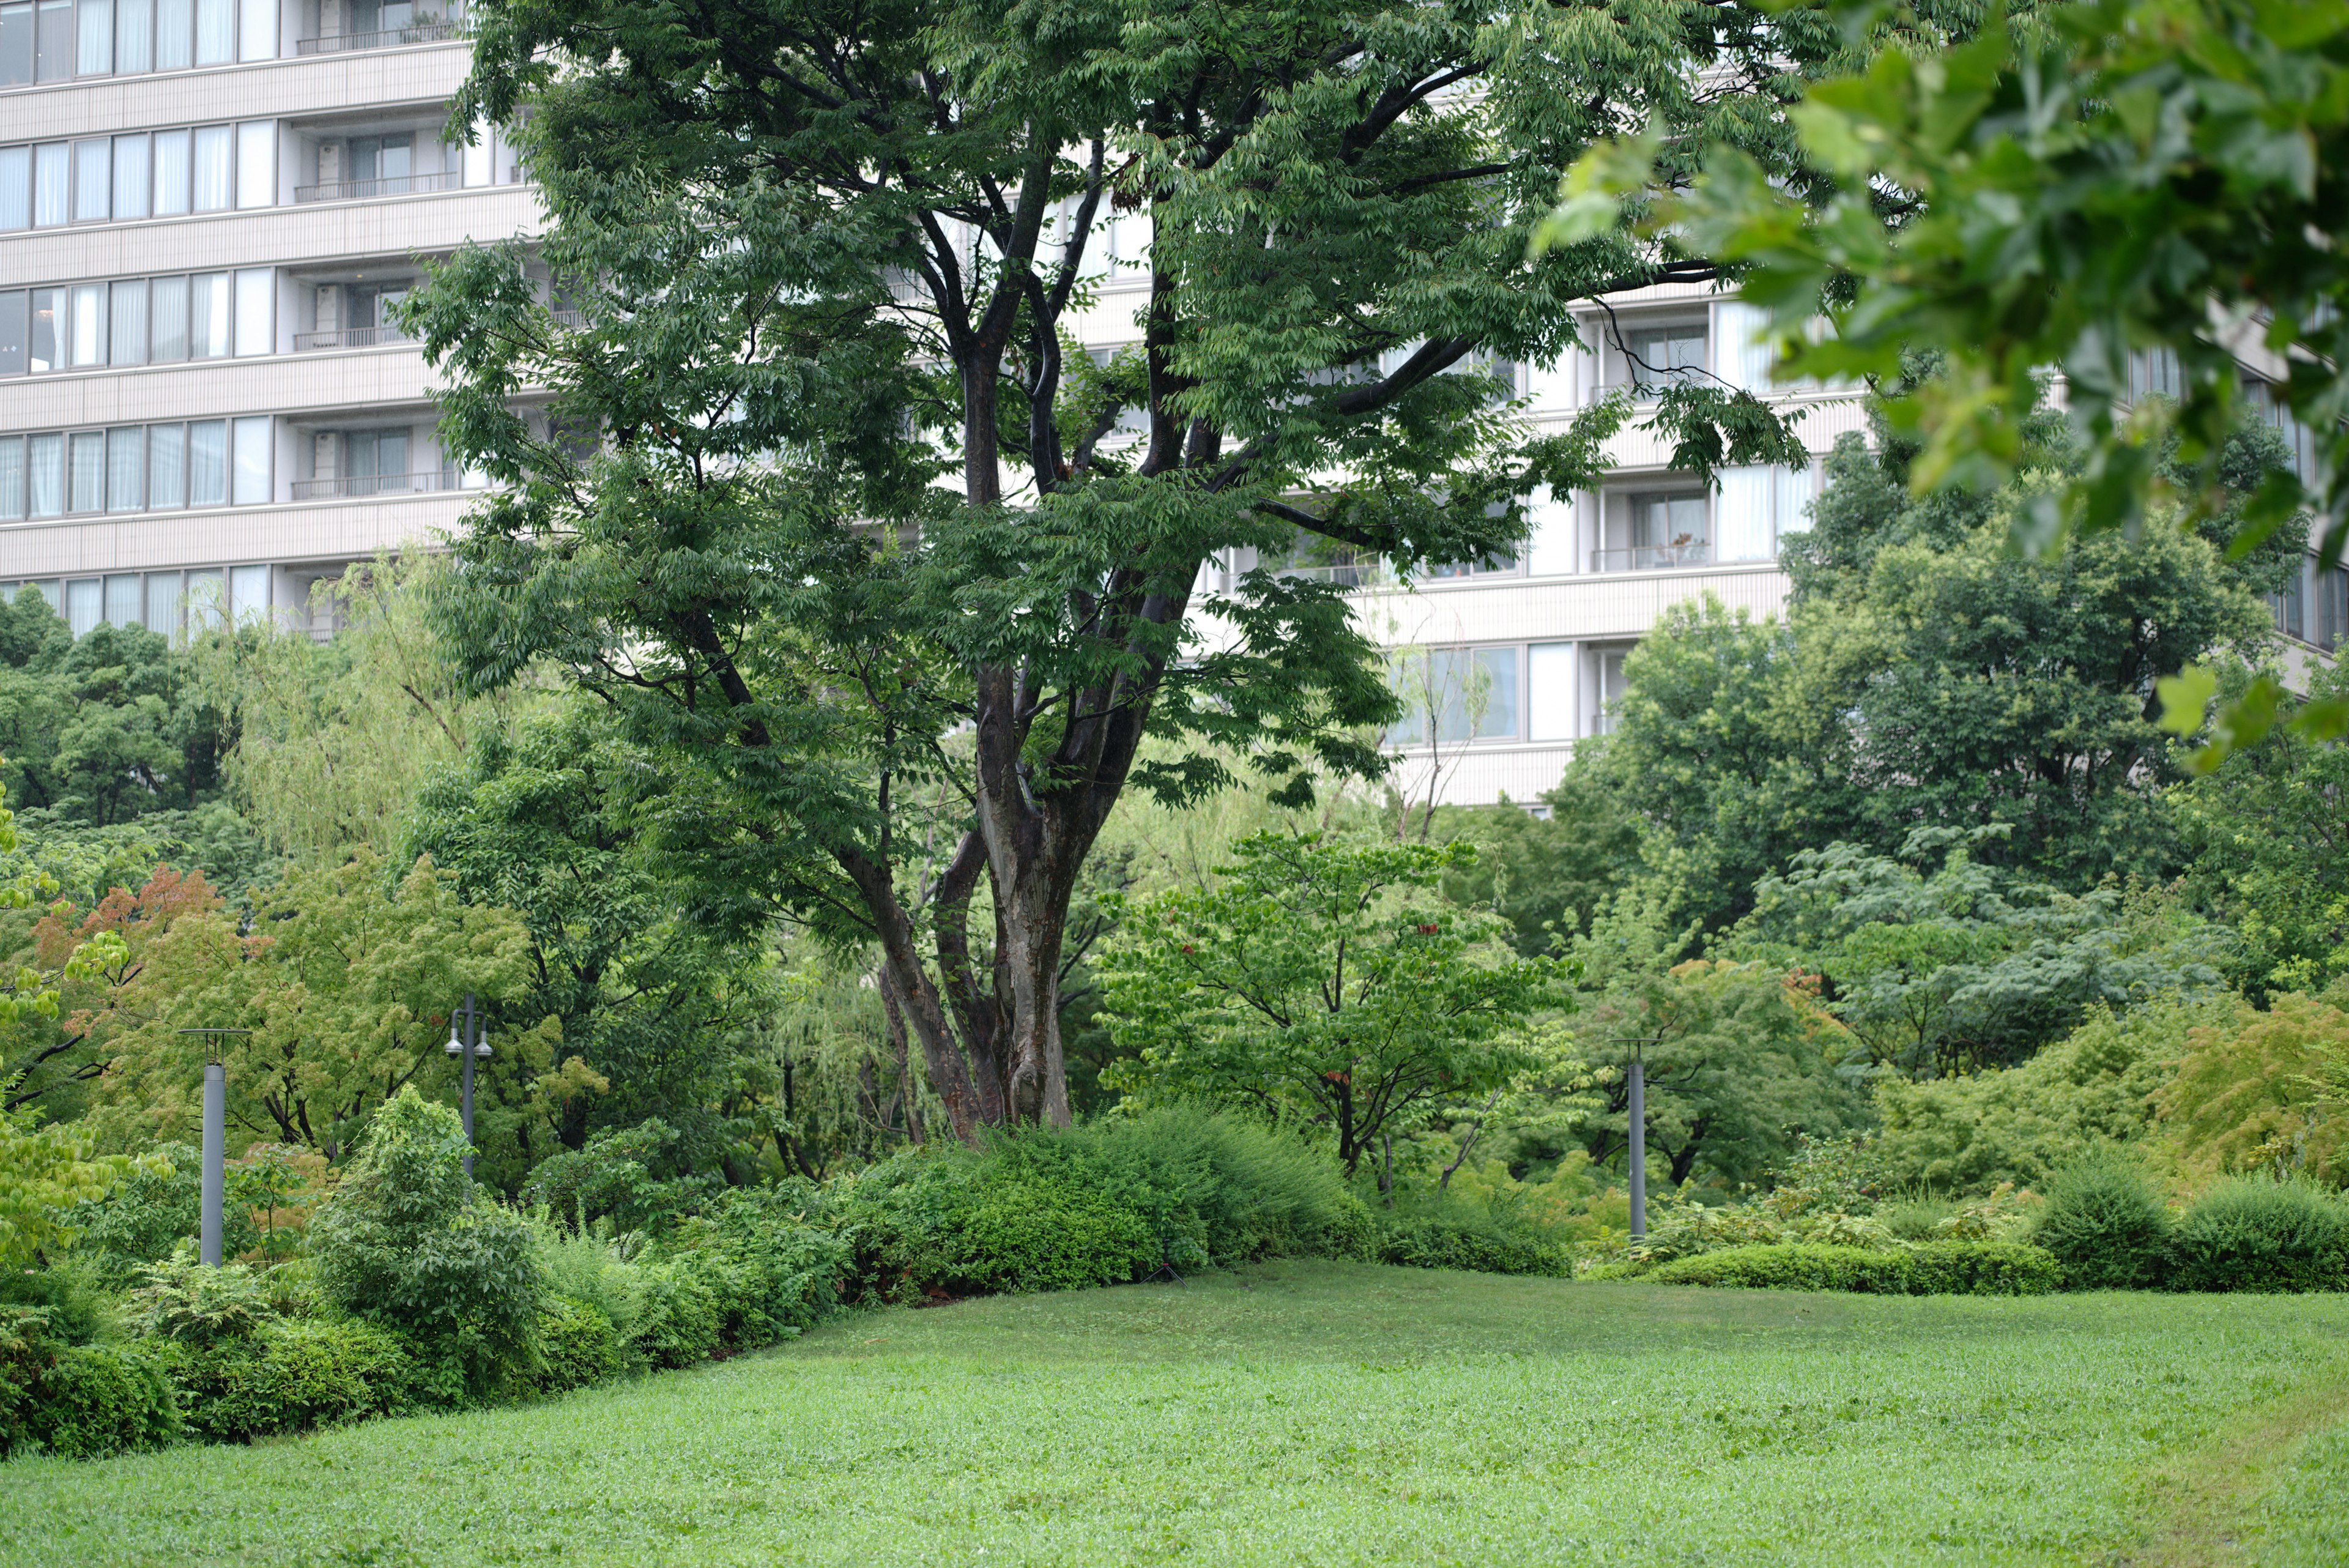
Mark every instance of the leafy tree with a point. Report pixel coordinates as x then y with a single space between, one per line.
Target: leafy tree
1321 977
2120 179
822 258
1738 1062
1925 676
2096 1086
44 1173
2269 830
2265 1091
1547 876
346 978
1966 965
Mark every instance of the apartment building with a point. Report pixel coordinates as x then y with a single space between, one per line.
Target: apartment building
206 207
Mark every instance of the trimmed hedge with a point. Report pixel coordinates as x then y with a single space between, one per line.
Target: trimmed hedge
578 1347
2254 1233
1936 1268
1449 1242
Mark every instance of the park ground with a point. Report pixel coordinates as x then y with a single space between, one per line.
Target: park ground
1331 1414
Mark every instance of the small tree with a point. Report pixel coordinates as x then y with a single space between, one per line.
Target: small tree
409 1240
1330 978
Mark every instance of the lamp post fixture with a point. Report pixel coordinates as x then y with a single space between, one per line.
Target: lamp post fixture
215 1171
1639 1152
469 1038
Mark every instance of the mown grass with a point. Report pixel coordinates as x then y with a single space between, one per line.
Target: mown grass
1297 1413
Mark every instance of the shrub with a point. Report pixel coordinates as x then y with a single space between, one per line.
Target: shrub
75 1295
80 1401
2256 1233
2251 1094
1799 1266
768 1274
591 1269
677 1324
147 1214
1462 1239
1935 1268
625 1175
195 1304
408 1241
578 1347
294 1375
1983 1268
2104 1226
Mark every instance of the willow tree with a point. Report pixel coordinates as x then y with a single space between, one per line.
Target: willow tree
827 508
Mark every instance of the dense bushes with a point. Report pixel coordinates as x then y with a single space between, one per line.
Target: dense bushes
408 1241
2256 1233
82 1401
1959 1268
295 1375
1457 1236
2105 1227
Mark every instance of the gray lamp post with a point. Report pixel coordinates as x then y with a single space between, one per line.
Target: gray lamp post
1639 1154
469 1038
215 1171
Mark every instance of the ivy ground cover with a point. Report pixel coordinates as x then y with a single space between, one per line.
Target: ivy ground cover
1323 1413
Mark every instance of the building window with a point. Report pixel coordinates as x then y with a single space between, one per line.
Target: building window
55 40
1666 355
133 468
1667 529
122 178
1457 695
1608 687
137 321
2332 609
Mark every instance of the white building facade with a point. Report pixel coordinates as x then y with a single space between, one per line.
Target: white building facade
207 208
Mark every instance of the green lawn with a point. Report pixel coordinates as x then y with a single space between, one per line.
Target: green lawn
1311 1413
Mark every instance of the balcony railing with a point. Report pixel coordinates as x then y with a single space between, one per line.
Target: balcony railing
358 484
433 30
1653 558
349 337
360 190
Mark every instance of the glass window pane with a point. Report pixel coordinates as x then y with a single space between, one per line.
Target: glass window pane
52 189
208 463
15 324
207 595
16 187
1496 693
175 32
257 30
12 477
212 172
15 44
248 592
170 172
122 600
252 460
162 613
94 39
48 326
53 59
1549 692
208 315
82 605
134 35
126 469
167 319
215 32
85 472
477 155
256 321
87 325
45 475
127 331
130 177
93 181
167 467
256 163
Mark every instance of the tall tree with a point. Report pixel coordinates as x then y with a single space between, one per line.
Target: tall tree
819 256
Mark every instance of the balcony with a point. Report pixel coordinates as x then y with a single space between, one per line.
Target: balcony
362 190
349 337
352 486
1654 557
433 31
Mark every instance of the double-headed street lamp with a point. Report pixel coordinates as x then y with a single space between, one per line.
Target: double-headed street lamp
469 1039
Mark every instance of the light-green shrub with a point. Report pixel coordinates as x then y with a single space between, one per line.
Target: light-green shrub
578 1347
1967 1268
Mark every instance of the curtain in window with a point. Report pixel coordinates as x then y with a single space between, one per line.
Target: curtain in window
214 170
45 475
126 469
